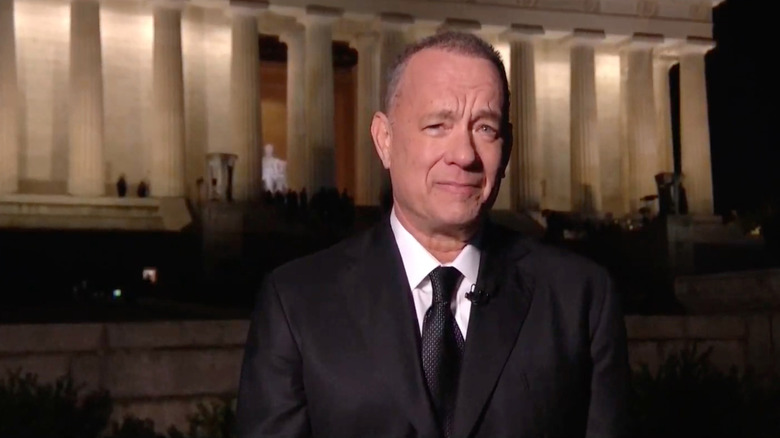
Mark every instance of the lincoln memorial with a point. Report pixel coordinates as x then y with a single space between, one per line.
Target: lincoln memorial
91 90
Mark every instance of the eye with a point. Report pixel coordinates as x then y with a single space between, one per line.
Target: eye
434 129
488 131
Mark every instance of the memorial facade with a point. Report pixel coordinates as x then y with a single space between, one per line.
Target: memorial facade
95 89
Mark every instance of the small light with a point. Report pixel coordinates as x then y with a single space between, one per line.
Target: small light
117 293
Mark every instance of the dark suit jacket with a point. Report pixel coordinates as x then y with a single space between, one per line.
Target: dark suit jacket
333 348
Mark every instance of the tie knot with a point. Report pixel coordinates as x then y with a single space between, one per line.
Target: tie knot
444 279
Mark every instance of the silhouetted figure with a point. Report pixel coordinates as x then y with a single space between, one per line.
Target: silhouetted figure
347 209
304 199
292 204
279 201
683 201
268 197
143 189
121 186
665 183
556 225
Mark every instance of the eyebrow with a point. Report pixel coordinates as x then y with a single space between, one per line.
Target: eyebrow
440 115
450 115
487 114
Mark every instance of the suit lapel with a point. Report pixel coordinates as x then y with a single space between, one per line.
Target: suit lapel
493 326
382 304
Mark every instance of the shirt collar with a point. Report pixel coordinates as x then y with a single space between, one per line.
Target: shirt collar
418 262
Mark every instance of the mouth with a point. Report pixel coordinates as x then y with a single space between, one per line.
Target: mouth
459 189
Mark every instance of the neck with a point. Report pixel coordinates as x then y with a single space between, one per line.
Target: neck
444 246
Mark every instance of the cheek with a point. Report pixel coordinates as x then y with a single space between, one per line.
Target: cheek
415 160
491 160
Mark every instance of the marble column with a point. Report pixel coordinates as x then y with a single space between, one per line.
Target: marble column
527 160
694 127
9 109
368 167
663 112
585 177
86 163
297 156
167 166
245 105
643 159
393 39
320 132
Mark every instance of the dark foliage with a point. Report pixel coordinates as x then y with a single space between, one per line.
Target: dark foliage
688 397
32 409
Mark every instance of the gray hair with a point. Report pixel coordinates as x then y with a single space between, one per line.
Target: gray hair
455 42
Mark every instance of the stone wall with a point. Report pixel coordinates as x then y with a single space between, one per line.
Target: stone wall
160 370
157 370
736 341
739 292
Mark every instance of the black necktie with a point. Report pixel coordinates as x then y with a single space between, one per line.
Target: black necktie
442 347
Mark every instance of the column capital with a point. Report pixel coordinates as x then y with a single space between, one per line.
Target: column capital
364 38
522 32
292 32
169 4
274 24
394 21
643 41
587 37
666 60
243 8
460 25
696 45
395 18
688 46
321 15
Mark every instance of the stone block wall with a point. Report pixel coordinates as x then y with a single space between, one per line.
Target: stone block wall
739 292
157 370
161 370
744 342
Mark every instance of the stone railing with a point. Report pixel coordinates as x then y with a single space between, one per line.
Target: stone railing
160 370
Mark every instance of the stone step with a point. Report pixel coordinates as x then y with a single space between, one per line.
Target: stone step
70 212
81 222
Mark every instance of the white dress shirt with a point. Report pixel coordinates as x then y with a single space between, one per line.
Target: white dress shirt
418 263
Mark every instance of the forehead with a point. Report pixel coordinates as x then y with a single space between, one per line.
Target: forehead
430 71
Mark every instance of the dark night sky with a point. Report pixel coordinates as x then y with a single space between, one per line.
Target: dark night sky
742 91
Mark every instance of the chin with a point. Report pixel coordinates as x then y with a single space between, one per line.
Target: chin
459 216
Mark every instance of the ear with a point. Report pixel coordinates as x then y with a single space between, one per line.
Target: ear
382 136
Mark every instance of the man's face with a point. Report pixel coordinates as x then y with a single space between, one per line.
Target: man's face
441 140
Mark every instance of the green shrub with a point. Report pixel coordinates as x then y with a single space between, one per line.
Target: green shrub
688 397
213 420
132 427
32 409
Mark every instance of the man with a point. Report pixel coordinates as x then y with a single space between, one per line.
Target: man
436 322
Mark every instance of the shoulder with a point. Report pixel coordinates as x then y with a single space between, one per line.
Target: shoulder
565 283
323 270
552 268
323 267
556 261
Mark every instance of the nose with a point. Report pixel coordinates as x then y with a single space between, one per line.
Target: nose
462 149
